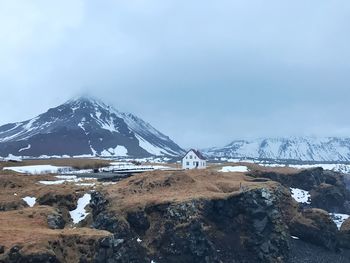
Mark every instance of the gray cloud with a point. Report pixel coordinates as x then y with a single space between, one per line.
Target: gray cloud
202 72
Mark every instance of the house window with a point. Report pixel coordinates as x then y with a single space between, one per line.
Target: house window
187 163
190 156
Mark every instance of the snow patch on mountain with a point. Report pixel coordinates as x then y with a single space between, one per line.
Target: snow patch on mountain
148 146
25 148
117 151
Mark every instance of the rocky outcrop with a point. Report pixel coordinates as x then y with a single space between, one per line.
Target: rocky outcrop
316 227
65 249
327 188
244 227
305 179
63 202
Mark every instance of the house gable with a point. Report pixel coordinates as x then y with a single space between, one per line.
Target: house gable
194 154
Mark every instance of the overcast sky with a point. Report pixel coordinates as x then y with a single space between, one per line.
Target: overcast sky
202 72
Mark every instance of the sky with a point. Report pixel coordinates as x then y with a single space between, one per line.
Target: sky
202 72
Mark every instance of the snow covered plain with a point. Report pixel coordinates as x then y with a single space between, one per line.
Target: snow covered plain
38 169
130 167
63 179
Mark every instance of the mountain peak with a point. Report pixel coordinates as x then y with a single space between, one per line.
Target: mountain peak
85 99
85 125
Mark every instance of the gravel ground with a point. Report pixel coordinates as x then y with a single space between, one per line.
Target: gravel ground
302 252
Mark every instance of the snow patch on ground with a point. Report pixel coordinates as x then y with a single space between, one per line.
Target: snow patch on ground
339 218
29 200
130 167
301 196
237 169
85 184
80 213
38 169
63 179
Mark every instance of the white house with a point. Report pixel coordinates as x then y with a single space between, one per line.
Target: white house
194 160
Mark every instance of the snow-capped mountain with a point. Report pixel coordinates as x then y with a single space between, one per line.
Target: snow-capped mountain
293 148
85 126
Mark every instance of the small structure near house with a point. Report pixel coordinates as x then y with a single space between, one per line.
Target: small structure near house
193 159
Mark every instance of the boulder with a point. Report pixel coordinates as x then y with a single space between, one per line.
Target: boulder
315 226
330 198
55 221
344 234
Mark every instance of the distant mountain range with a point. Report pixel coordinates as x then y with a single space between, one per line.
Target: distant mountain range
85 126
292 148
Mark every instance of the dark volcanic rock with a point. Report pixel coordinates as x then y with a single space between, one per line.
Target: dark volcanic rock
316 227
305 179
15 255
248 227
138 221
56 221
330 198
303 252
57 200
344 234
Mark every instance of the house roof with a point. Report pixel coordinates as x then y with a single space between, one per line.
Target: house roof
198 153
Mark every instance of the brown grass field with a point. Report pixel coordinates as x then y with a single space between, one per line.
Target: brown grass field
161 187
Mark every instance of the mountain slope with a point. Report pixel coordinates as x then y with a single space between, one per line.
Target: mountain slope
293 148
85 126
